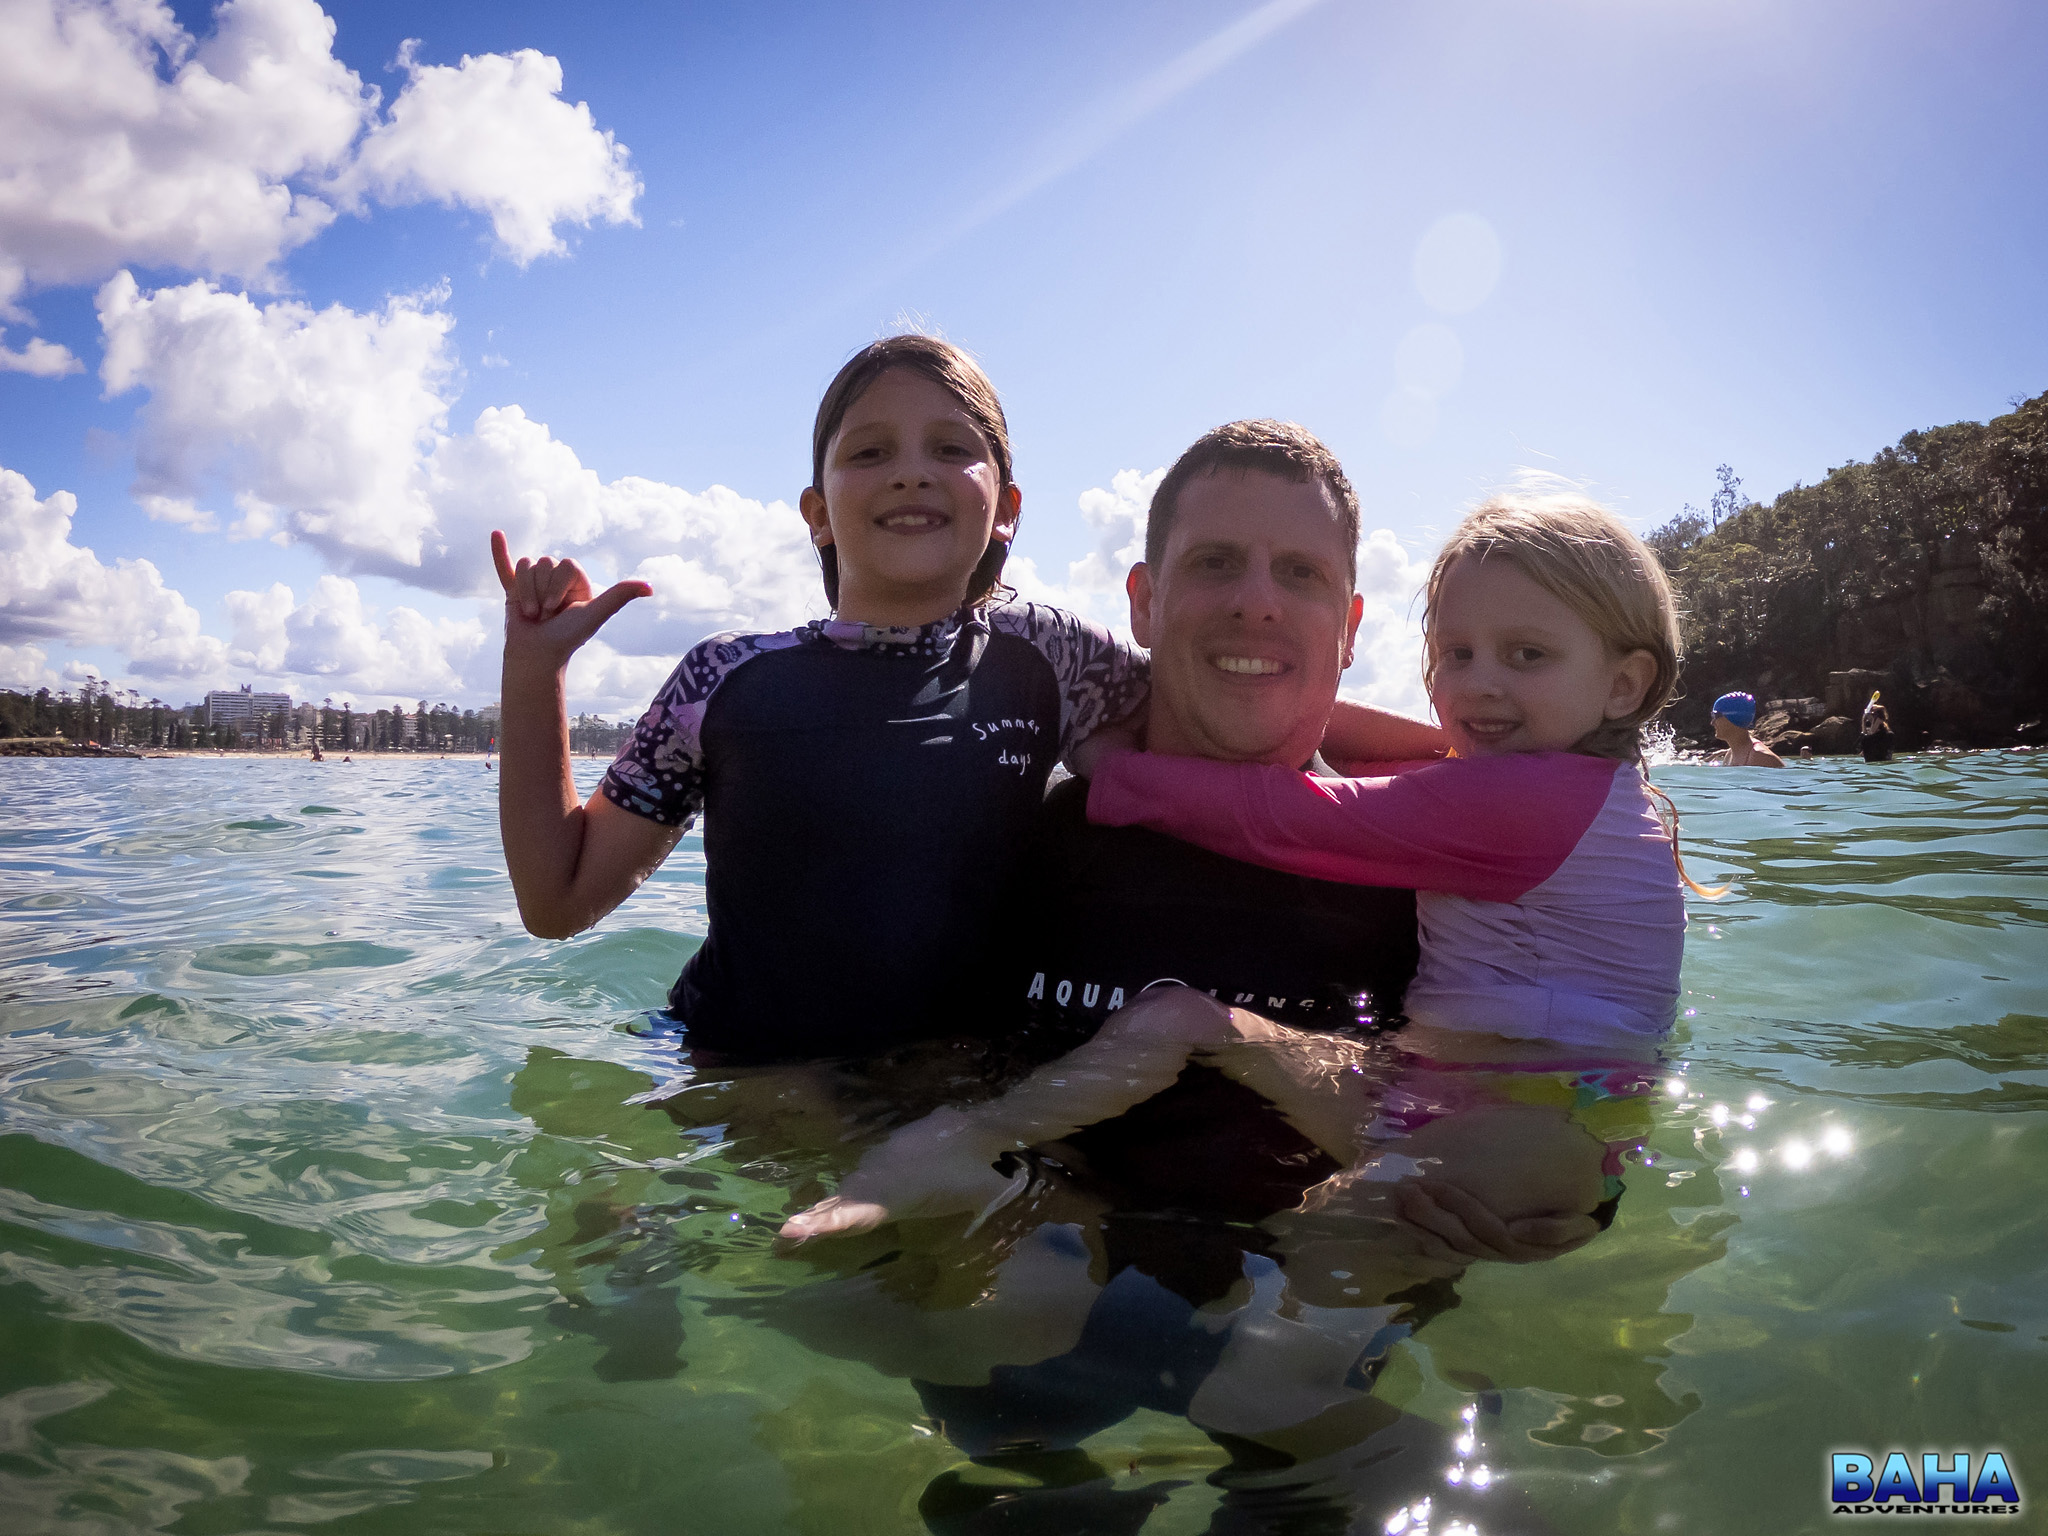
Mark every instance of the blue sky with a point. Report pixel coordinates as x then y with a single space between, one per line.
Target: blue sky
1617 242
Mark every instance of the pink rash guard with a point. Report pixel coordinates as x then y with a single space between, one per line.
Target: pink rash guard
1549 902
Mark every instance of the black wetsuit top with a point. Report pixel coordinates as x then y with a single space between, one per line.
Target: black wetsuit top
867 795
1103 912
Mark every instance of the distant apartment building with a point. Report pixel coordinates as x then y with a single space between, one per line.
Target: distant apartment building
244 706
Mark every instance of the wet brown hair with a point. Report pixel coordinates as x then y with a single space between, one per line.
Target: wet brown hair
961 377
1283 448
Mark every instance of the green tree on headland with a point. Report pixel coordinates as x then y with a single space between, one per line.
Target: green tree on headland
1928 565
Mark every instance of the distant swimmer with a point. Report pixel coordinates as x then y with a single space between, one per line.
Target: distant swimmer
1734 714
1877 731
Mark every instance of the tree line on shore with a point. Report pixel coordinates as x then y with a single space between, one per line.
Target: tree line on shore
1923 571
111 717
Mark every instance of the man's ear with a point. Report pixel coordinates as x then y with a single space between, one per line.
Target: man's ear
1351 626
812 507
1633 675
1009 505
1138 585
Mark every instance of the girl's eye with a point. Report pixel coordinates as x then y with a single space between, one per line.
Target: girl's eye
1526 654
1458 653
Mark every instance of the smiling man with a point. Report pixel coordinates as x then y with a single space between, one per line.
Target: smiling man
1245 594
1246 601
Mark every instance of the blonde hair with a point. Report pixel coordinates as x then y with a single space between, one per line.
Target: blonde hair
1589 560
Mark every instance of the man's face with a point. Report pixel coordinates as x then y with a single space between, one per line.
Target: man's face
1249 617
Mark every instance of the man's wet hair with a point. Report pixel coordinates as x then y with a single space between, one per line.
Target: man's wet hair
1283 448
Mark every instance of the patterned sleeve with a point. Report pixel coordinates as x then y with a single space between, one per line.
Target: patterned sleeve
1101 678
659 772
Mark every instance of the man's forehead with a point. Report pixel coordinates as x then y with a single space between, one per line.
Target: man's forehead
1252 506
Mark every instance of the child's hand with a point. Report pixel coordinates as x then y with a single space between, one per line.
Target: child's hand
932 1167
1468 1226
834 1217
1125 735
549 611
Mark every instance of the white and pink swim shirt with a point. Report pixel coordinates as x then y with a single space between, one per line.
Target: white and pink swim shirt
1549 902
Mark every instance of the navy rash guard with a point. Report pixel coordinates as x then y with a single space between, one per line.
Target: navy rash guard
867 793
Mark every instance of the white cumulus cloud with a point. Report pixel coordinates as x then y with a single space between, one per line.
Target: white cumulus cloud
329 427
52 589
1094 584
41 359
493 133
332 644
125 140
1386 668
315 419
26 668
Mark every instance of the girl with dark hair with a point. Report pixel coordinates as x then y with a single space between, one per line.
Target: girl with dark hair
867 780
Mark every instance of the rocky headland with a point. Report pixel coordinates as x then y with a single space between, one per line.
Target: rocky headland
1922 574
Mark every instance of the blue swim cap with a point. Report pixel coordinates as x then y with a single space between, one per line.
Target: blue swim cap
1736 709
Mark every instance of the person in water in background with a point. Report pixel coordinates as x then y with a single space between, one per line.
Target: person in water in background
869 781
1877 731
1734 714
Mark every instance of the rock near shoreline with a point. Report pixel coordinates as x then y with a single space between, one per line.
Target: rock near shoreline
57 746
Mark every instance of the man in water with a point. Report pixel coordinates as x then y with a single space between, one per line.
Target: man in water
1734 714
1246 600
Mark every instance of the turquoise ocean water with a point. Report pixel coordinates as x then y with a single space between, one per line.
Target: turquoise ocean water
329 1200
